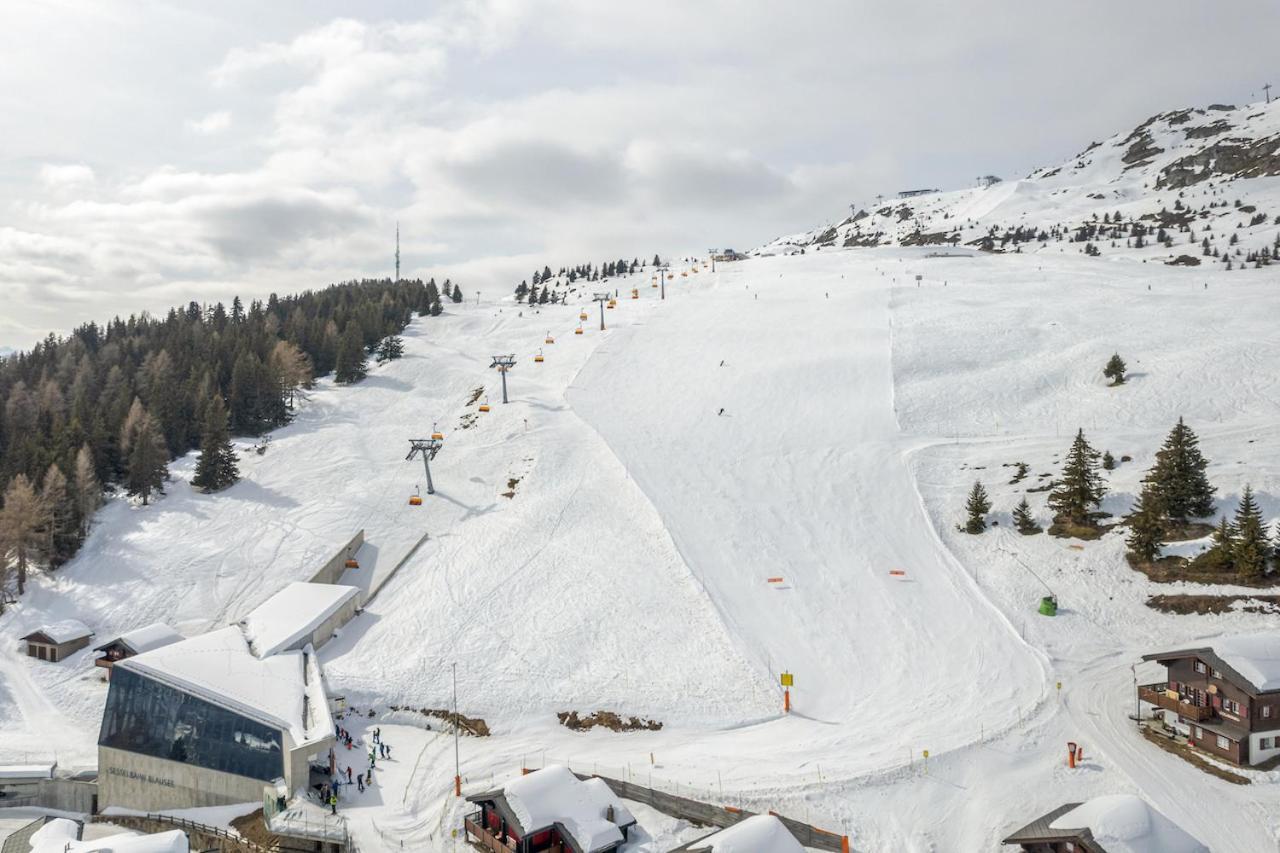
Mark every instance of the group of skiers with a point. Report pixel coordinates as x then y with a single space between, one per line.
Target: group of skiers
378 749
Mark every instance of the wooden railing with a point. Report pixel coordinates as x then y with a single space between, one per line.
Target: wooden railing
483 837
1156 694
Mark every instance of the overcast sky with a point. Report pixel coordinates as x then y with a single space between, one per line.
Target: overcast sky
158 152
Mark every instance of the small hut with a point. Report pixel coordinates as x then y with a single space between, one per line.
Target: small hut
55 641
135 642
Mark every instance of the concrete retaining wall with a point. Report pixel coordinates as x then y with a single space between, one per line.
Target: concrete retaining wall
332 570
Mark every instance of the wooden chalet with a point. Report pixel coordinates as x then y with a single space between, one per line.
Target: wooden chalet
135 642
55 641
1224 698
549 809
1107 824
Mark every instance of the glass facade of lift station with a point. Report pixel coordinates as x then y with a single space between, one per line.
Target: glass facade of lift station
146 717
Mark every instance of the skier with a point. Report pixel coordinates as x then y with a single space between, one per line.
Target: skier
388 752
719 413
348 774
333 804
360 782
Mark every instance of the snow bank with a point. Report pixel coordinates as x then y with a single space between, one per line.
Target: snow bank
760 833
1124 823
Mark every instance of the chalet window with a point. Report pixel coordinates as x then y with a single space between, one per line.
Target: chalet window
1223 743
1199 732
1200 667
1266 711
1217 674
1264 743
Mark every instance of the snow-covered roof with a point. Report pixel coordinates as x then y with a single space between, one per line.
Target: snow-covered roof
1124 823
760 833
220 668
26 771
145 639
1255 656
62 836
554 795
288 617
63 631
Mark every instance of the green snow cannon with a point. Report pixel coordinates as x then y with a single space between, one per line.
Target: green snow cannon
1049 606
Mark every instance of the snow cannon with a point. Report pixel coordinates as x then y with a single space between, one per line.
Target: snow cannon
1049 606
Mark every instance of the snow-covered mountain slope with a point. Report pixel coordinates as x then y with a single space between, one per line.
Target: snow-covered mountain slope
630 569
1193 186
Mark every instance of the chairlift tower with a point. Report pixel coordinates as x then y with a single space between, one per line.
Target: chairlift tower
662 277
504 363
428 447
602 298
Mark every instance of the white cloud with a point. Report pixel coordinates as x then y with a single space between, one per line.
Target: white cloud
214 122
65 176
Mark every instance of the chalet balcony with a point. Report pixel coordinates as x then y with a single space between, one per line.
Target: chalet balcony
1159 695
481 836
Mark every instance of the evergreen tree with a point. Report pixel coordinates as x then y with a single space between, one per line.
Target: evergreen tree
1115 370
1179 476
457 293
22 522
216 467
436 307
977 506
1108 461
1081 488
533 294
1023 520
1146 527
390 348
147 466
351 366
1251 547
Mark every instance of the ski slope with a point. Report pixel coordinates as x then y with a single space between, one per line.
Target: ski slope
629 569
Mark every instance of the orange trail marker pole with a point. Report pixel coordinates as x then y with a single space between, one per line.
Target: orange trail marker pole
786 700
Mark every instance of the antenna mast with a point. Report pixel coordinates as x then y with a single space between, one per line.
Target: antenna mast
397 251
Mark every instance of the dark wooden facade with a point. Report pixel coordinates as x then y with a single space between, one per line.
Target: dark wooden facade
1221 707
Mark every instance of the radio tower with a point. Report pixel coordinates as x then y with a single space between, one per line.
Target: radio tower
397 251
